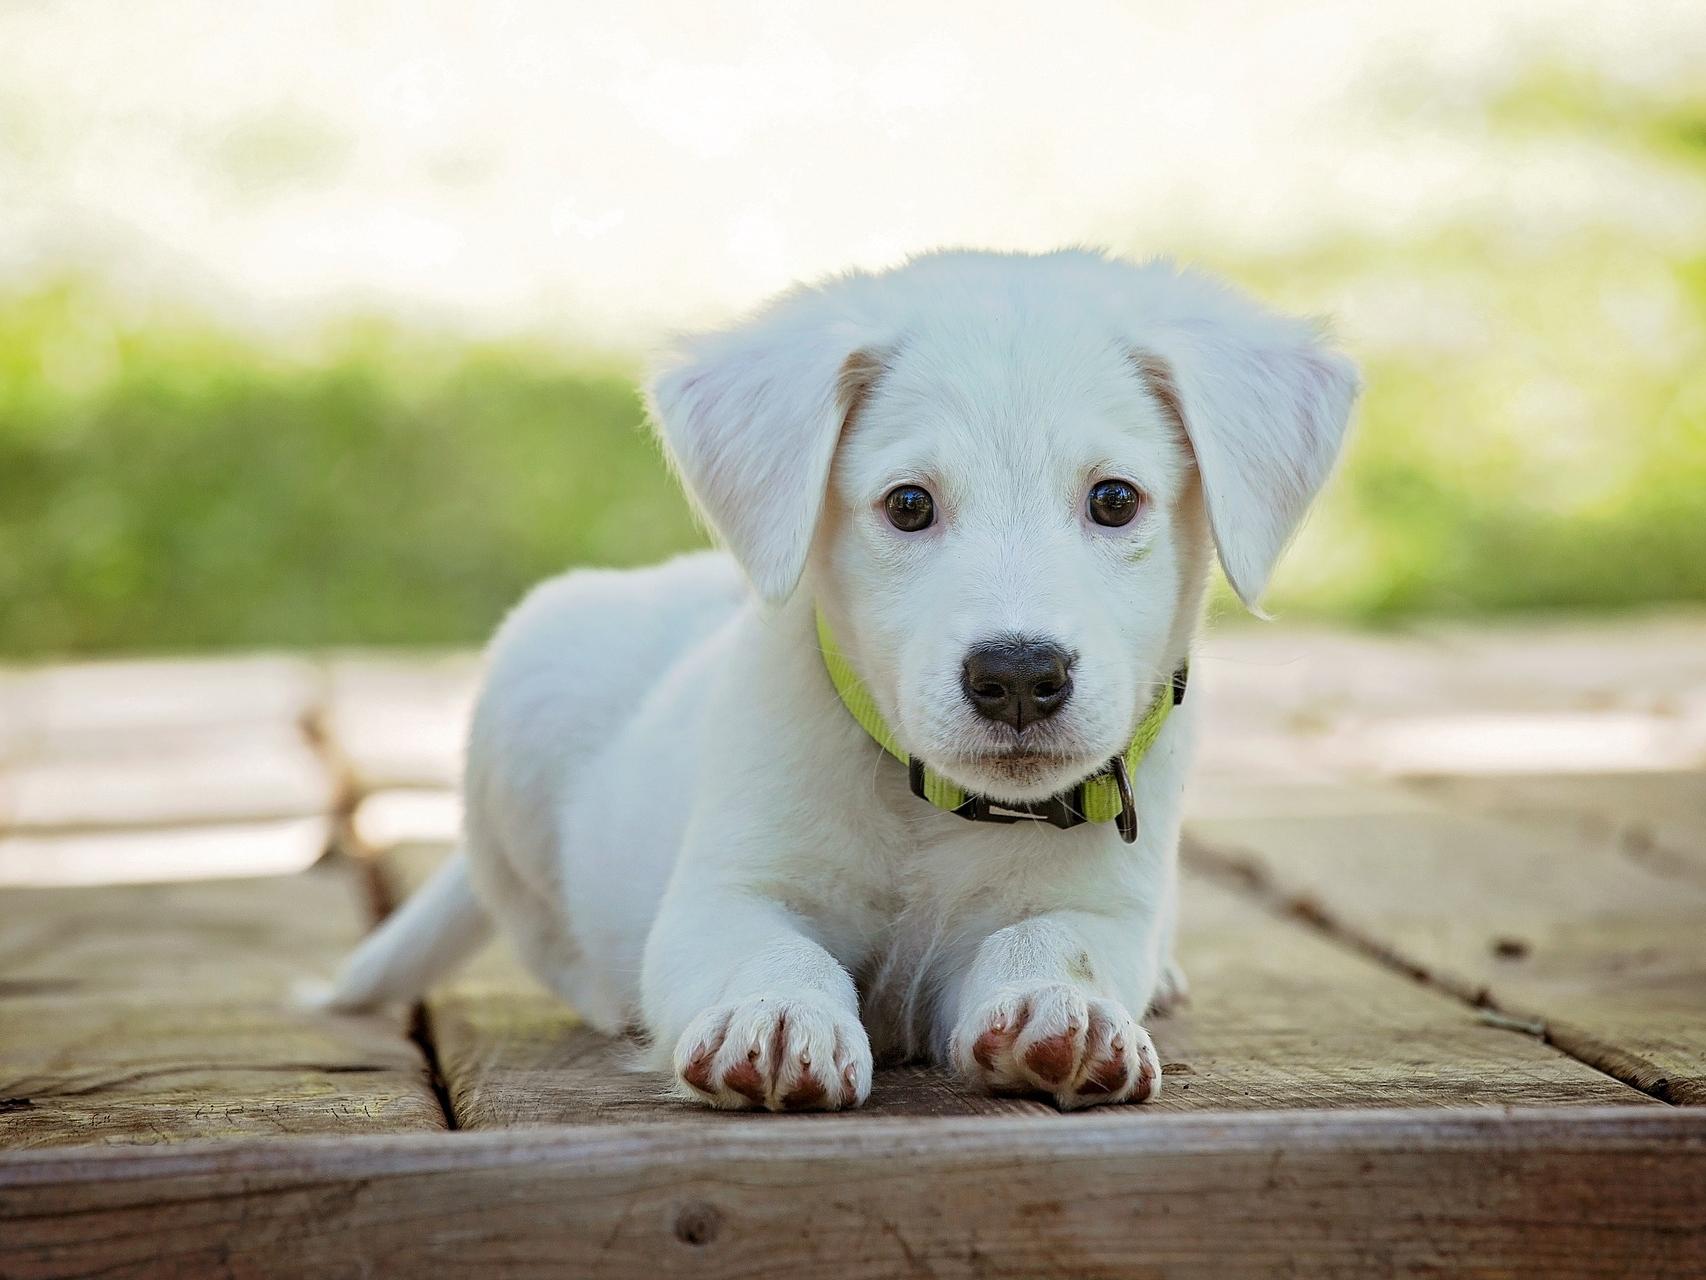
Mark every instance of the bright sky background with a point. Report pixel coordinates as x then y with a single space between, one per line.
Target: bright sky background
599 170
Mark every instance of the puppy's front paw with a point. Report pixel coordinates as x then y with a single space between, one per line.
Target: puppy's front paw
1053 1039
797 1052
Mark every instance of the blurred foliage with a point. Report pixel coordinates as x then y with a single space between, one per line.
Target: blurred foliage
1545 450
1533 435
165 487
1533 430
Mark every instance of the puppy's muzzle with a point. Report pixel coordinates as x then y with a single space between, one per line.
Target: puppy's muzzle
1017 681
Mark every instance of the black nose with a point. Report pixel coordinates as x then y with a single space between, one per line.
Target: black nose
1017 681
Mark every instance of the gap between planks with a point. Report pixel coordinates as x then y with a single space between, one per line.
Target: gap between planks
315 725
343 842
383 903
1249 878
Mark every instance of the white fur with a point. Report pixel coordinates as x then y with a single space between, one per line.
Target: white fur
678 825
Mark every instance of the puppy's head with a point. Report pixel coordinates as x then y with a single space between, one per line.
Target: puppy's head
1001 478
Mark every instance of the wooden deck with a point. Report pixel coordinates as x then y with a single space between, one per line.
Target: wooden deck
1445 926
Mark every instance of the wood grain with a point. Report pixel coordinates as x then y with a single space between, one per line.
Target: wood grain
1551 922
1281 1018
130 856
246 773
1546 1194
1654 661
400 722
1657 819
136 707
1298 703
156 1013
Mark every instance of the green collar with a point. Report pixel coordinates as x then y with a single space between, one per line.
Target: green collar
1105 796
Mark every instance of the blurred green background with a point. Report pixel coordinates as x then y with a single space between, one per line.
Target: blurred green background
165 487
1533 434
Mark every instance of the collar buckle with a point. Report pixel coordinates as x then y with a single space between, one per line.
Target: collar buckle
1064 811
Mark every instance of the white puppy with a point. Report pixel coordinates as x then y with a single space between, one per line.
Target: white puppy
998 480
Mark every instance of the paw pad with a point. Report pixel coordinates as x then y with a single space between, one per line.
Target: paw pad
765 1053
1056 1040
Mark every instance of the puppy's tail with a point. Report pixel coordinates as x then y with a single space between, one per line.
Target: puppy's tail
422 941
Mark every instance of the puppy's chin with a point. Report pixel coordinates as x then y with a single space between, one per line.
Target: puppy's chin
1017 776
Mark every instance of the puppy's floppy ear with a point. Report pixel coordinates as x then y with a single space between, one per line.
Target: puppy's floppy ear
1264 402
750 417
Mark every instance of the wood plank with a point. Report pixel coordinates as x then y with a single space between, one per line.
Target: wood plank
1281 1018
1211 794
1547 922
399 722
251 773
1658 819
1495 741
1653 661
107 708
1297 672
268 848
1546 1193
159 1013
122 746
1289 701
414 815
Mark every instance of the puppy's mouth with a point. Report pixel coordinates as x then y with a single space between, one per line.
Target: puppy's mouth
1017 759
1008 765
1018 773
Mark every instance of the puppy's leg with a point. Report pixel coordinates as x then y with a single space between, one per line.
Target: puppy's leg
1171 989
533 923
1046 1007
753 1011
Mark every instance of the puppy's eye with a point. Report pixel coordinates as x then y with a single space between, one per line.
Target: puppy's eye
910 508
1114 502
